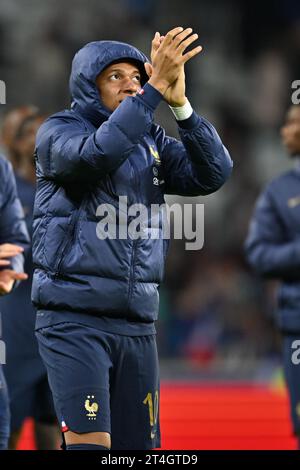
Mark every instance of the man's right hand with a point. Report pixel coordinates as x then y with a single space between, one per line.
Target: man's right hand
9 276
169 59
8 250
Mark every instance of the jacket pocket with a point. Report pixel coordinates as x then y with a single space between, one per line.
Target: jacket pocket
71 237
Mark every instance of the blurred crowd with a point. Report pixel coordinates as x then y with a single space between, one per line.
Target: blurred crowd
213 308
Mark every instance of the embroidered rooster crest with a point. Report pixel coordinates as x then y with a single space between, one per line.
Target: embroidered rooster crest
92 408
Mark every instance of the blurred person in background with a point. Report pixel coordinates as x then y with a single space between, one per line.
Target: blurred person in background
12 122
273 250
97 299
13 239
25 373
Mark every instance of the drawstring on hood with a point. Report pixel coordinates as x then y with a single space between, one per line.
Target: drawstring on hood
87 64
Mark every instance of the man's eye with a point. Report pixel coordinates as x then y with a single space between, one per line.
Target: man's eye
137 78
115 76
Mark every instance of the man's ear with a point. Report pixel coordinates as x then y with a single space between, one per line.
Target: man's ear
148 68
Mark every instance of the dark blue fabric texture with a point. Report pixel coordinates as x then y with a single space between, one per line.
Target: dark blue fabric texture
88 156
12 230
273 244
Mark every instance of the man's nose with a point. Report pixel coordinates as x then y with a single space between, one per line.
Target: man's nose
130 85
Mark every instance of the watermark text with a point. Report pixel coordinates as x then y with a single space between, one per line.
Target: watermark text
2 92
137 221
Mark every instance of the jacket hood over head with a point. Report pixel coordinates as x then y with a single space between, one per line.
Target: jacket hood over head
87 64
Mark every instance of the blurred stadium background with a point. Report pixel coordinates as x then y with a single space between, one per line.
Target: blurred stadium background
220 352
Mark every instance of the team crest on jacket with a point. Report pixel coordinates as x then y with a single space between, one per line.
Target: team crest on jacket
91 408
155 154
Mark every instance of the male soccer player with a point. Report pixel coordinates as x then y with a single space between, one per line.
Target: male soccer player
273 249
13 240
97 297
29 391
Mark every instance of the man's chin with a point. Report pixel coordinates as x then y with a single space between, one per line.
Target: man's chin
114 107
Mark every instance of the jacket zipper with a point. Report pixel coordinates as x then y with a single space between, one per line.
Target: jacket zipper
134 246
132 271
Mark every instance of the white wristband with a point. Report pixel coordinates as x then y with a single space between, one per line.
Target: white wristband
182 112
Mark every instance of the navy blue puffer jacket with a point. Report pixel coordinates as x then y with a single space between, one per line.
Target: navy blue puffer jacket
12 223
88 156
273 244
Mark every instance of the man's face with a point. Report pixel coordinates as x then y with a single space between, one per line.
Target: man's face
117 82
290 131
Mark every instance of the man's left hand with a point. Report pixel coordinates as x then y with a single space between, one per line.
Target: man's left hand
175 94
7 279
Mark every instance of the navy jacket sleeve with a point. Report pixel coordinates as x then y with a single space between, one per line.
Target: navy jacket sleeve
199 164
268 250
66 152
12 224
